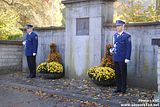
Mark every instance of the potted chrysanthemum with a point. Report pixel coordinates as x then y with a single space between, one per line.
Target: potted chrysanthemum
104 74
52 68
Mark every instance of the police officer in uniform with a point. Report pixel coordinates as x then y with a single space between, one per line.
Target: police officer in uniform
121 56
31 45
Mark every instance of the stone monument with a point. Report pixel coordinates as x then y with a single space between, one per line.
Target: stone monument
84 31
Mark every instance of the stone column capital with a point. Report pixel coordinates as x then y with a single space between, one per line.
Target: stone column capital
78 1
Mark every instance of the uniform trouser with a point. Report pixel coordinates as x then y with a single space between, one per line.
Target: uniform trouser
31 60
121 75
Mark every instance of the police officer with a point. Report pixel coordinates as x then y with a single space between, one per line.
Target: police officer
31 45
121 56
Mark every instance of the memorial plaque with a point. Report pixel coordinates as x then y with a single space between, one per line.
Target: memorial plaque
82 26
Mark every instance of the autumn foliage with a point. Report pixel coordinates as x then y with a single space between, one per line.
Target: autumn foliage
54 56
107 58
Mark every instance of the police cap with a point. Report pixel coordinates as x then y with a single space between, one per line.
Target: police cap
119 22
28 26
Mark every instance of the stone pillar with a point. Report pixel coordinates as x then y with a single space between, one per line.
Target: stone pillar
84 30
156 41
158 68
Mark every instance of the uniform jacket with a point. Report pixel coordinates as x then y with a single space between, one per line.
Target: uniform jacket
122 47
31 44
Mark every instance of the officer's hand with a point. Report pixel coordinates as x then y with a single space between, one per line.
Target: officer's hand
126 61
34 54
24 42
111 50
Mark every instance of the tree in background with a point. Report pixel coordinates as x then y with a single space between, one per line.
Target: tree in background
57 12
8 25
16 14
135 11
41 13
158 6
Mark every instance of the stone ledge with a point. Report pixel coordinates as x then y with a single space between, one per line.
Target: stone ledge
46 28
78 1
9 42
156 41
133 24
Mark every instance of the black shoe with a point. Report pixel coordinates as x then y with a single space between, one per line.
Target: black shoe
123 92
116 91
33 76
30 76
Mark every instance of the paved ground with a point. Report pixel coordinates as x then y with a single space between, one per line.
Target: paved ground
18 91
14 98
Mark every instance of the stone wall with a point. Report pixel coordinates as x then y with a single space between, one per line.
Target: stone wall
10 56
46 36
142 69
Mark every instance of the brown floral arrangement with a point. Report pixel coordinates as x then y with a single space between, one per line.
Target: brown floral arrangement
52 68
54 56
107 58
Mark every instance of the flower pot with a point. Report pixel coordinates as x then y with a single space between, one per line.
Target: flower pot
52 75
90 75
109 82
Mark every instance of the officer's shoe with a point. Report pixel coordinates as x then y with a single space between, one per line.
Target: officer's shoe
31 76
123 92
28 76
117 91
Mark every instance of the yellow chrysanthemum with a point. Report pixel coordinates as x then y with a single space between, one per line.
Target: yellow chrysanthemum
101 73
54 67
42 67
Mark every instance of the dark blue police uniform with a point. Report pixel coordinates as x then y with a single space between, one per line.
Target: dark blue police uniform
31 51
122 45
31 44
122 52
